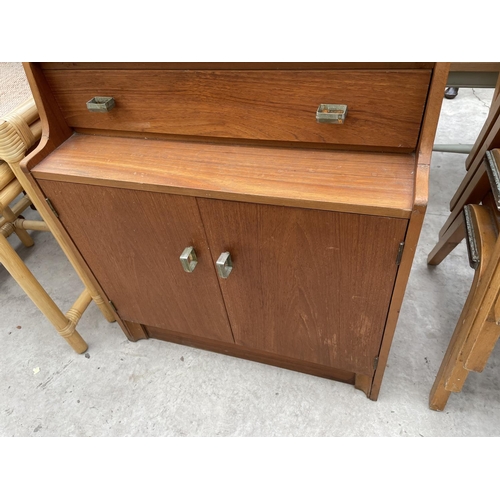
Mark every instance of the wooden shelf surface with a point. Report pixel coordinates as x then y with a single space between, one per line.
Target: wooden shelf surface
347 181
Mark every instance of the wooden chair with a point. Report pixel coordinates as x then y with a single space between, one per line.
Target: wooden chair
477 329
474 215
473 188
20 130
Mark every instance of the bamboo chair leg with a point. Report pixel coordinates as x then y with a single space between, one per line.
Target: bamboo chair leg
18 270
79 307
18 208
35 225
46 216
22 234
15 140
25 238
105 309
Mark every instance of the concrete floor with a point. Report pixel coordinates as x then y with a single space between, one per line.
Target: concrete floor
153 388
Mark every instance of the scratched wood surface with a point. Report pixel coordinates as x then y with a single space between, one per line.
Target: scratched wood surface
359 182
306 284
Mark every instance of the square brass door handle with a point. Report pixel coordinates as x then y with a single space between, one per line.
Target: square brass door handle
224 265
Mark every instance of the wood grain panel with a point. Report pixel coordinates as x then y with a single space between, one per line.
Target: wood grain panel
132 242
358 182
385 108
251 354
309 285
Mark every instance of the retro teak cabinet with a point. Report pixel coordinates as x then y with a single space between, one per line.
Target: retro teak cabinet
267 211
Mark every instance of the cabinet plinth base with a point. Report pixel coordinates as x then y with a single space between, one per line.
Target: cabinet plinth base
138 332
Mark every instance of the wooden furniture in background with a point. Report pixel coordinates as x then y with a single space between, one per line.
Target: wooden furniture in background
474 186
477 329
20 130
297 236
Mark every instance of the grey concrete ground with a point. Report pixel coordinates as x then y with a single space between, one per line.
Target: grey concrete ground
153 388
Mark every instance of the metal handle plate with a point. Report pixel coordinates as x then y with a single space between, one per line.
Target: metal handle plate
493 175
470 238
224 265
100 104
331 113
188 259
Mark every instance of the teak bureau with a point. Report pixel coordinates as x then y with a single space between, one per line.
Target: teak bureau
267 211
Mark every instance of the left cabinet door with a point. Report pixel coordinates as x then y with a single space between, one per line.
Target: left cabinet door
132 242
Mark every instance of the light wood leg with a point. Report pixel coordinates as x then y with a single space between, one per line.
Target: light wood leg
18 270
450 239
473 189
78 308
22 234
47 216
439 393
478 353
105 309
13 146
35 225
18 208
473 326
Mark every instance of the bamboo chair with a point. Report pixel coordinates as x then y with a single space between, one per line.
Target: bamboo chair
477 329
20 130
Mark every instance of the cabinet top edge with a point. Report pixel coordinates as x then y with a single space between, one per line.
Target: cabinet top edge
360 182
235 65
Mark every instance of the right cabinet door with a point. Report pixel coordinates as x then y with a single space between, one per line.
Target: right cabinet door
306 284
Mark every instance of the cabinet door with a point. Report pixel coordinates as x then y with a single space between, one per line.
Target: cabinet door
306 284
132 241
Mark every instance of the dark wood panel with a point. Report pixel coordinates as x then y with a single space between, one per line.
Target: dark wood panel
251 354
240 142
310 285
385 108
132 241
360 182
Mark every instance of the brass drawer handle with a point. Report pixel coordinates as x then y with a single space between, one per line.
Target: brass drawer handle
224 265
331 113
189 259
100 104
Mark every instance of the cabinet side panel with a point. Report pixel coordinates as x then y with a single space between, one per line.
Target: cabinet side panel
132 242
306 284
